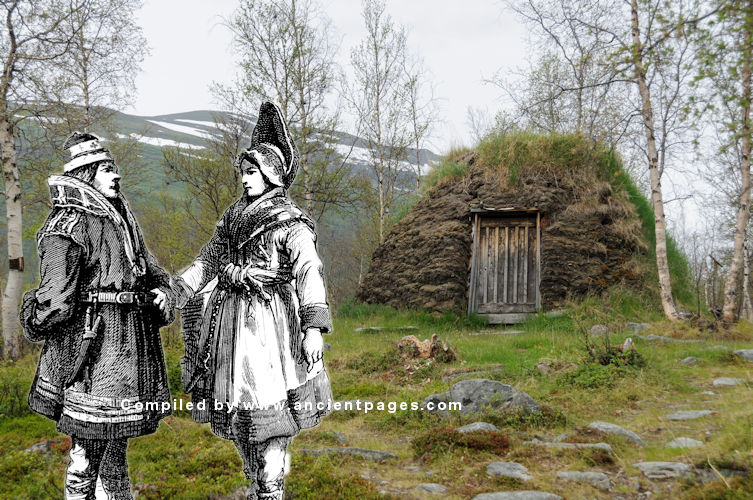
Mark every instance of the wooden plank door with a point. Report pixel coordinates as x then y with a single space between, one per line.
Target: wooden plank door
505 273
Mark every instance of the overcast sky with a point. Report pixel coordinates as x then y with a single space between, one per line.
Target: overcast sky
461 44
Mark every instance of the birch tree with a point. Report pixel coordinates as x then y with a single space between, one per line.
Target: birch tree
726 47
376 96
31 40
646 46
287 56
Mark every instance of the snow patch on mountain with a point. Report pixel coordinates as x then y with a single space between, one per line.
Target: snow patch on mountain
159 142
183 129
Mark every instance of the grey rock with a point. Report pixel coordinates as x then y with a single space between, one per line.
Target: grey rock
690 360
508 469
369 329
477 394
40 447
478 426
636 327
746 354
359 452
327 347
555 314
544 368
497 332
518 495
719 348
570 446
609 428
727 382
663 470
708 476
598 330
597 479
661 338
688 414
412 468
432 487
709 393
684 442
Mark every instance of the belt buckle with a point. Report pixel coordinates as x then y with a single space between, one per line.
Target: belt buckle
125 298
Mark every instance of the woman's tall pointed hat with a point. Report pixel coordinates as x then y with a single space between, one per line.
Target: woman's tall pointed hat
272 147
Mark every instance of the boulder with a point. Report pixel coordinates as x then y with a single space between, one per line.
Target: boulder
684 442
664 470
637 327
432 488
570 446
690 360
359 452
478 426
518 495
609 428
689 414
596 479
746 354
433 348
509 469
727 382
477 394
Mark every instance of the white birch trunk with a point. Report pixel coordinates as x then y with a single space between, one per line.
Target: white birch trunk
13 207
729 311
662 263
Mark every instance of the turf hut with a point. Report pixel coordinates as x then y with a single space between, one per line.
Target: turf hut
522 223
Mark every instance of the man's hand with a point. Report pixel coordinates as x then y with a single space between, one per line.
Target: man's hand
312 347
160 300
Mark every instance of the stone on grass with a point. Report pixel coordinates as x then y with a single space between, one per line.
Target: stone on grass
359 452
478 426
663 470
477 394
609 428
518 495
727 382
661 338
637 327
688 414
684 442
709 393
508 469
746 354
598 330
570 446
690 360
432 487
596 479
719 348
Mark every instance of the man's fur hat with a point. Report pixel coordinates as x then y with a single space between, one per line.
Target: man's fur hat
85 149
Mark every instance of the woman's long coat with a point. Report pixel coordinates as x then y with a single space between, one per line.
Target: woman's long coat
245 353
87 244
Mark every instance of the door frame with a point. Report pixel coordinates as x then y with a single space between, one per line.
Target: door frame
477 213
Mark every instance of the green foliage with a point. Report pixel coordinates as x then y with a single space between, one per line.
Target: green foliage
15 382
446 439
594 375
372 362
522 419
447 169
326 477
679 267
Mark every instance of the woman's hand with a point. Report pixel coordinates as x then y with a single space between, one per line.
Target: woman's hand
312 347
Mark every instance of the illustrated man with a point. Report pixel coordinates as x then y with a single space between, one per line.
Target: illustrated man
98 309
257 356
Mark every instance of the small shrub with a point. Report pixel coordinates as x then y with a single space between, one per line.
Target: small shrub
372 362
593 375
520 418
446 439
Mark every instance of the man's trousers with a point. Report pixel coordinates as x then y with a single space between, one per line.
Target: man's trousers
98 470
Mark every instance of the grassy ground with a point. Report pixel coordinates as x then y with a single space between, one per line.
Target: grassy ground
184 460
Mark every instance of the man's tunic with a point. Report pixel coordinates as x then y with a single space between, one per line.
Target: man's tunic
90 244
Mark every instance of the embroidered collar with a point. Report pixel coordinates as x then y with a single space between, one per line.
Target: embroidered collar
268 210
69 192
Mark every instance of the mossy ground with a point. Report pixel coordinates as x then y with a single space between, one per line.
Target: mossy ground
184 460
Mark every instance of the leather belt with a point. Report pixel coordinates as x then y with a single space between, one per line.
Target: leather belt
124 298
